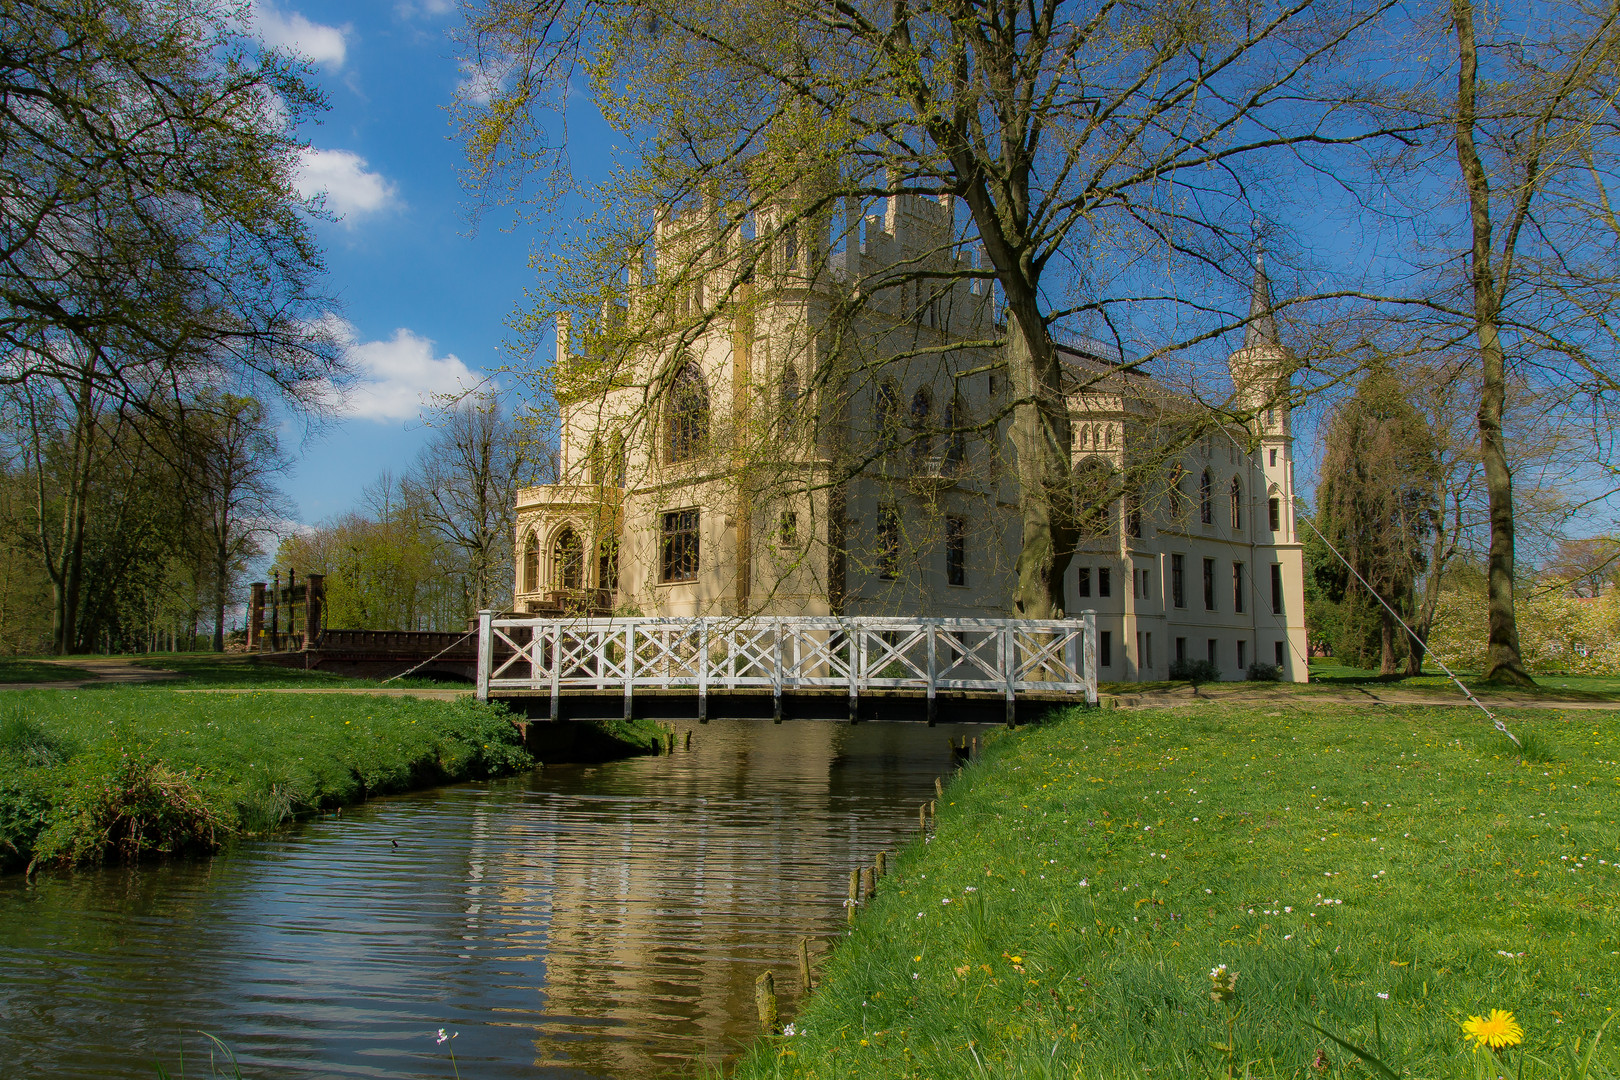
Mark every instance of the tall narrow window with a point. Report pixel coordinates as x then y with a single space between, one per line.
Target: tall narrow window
688 414
790 247
1104 581
607 563
678 546
1178 497
1281 655
956 445
1209 584
1206 500
531 563
922 436
1274 514
1273 459
567 561
789 403
956 551
1211 650
1105 649
1237 587
1243 655
1083 581
1178 587
1237 503
1276 589
886 416
1133 513
789 530
888 538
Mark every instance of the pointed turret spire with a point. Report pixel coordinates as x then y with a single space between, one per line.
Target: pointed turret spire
1261 331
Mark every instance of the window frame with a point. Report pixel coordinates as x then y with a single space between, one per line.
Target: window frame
680 538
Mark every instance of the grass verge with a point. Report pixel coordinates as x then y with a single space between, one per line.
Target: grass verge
216 671
1381 873
130 772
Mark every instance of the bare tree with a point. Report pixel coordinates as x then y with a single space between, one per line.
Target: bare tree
466 482
235 461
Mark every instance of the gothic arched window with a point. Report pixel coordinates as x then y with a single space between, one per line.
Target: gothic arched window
1237 503
922 444
567 561
688 414
1206 499
886 415
531 563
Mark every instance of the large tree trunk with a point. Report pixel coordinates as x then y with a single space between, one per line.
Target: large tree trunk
1502 660
1043 442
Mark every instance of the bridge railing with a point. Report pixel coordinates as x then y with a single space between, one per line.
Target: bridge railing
784 654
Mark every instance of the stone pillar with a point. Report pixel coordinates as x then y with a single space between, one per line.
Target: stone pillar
314 609
255 628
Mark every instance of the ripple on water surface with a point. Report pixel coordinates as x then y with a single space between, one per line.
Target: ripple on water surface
581 921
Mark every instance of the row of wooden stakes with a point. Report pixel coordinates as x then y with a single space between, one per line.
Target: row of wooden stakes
862 888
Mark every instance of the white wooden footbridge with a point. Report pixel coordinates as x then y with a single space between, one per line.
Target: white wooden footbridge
910 663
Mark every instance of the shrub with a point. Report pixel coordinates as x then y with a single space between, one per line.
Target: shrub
1195 671
129 803
1265 673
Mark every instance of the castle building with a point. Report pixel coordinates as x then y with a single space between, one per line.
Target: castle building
787 458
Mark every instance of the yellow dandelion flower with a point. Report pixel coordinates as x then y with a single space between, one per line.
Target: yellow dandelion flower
1497 1031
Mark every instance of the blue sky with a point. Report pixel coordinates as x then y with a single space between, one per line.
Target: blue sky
425 295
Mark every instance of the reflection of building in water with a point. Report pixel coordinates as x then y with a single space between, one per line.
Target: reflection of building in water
667 885
728 494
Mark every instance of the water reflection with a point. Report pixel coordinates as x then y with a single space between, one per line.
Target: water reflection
596 921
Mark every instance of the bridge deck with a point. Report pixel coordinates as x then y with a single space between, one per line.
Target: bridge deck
795 663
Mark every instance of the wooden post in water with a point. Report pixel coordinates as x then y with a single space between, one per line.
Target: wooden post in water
922 819
765 1002
930 809
804 965
688 745
868 884
939 788
880 863
854 893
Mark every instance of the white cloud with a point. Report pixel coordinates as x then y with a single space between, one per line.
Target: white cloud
319 43
397 377
428 8
351 190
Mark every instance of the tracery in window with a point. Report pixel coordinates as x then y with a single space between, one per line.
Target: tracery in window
688 415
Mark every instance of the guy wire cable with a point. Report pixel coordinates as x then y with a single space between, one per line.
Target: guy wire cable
1424 645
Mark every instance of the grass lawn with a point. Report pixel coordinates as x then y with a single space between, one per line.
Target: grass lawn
13 670
132 771
1383 873
213 670
1550 687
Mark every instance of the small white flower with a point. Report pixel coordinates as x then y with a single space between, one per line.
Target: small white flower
913 974
790 1030
1383 995
1083 883
971 888
946 900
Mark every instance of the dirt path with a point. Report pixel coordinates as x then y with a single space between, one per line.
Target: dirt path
108 671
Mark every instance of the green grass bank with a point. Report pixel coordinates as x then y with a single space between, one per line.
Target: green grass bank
130 772
1383 873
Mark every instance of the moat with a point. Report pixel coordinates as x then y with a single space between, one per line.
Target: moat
577 921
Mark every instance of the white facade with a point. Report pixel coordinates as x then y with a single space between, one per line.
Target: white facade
755 483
